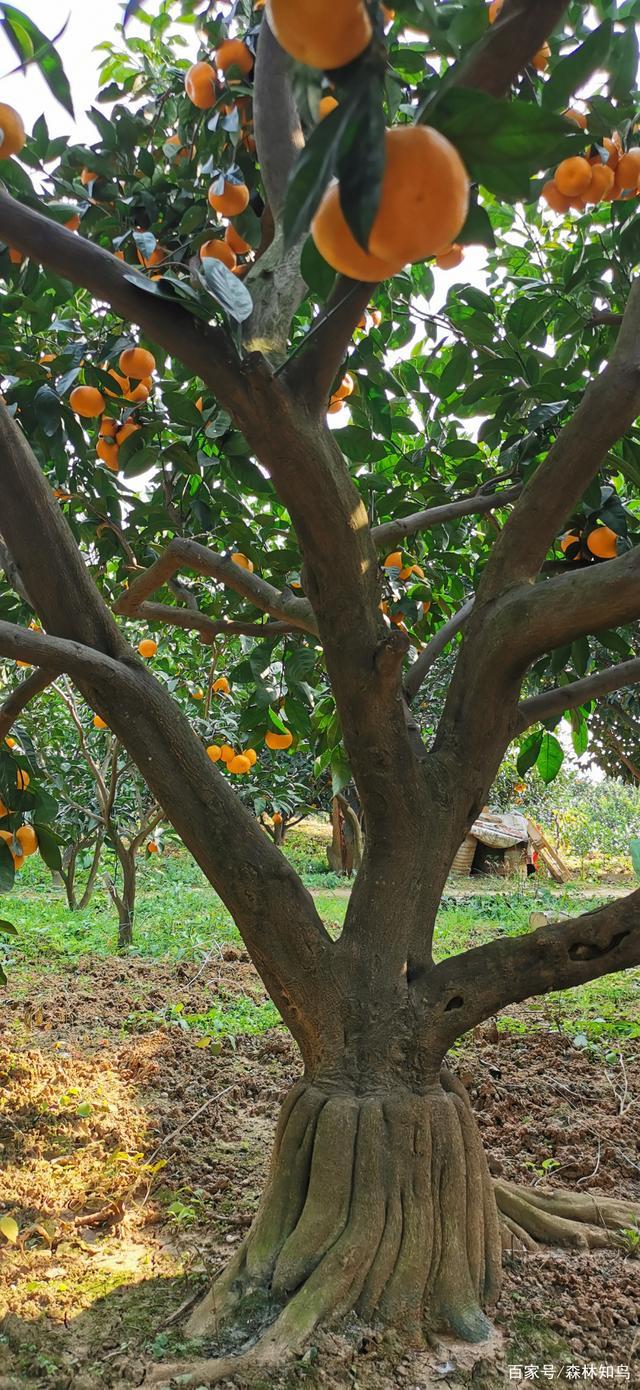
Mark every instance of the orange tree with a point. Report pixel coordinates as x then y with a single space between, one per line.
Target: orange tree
232 510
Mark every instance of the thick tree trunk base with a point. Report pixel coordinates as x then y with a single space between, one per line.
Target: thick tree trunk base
530 1217
380 1206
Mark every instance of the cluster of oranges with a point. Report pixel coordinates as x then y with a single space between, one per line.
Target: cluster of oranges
136 365
238 763
341 394
398 569
597 542
606 172
23 841
227 196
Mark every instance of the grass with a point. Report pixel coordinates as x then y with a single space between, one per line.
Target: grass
180 918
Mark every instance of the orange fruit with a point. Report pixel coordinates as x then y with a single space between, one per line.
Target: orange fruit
147 647
88 176
276 741
334 406
27 839
338 246
628 171
233 199
603 542
22 780
122 381
554 198
200 85
137 362
576 116
233 53
86 401
394 560
221 686
152 847
99 723
317 37
251 754
126 431
108 453
540 60
12 132
602 184
613 152
244 563
570 539
18 859
227 753
276 818
235 241
108 428
239 764
16 257
11 742
213 752
325 106
216 250
3 809
494 10
73 223
138 394
345 388
425 607
197 695
387 15
450 258
573 176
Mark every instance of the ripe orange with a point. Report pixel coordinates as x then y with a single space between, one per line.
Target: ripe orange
603 542
242 561
108 428
73 223
450 258
424 198
233 199
387 15
16 257
18 859
200 85
276 741
494 10
334 406
338 246
425 607
239 764
147 647
122 381
126 431
628 171
568 541
602 184
221 686
576 116
27 839
613 152
251 754
11 742
108 453
22 780
325 106
393 561
276 818
197 695
12 132
138 394
235 241
305 32
152 847
573 176
345 388
216 250
86 401
213 752
137 362
88 176
554 198
3 809
540 60
233 53
227 753
99 723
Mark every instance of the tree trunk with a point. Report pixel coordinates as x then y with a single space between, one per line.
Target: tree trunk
127 900
378 1202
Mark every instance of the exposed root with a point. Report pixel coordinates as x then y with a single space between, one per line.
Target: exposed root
380 1205
564 1218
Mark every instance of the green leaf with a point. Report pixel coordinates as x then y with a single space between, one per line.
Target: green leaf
624 63
319 276
529 751
550 758
340 772
361 161
7 868
248 225
580 655
131 10
7 928
32 46
580 738
312 173
227 289
48 847
570 73
502 143
477 230
47 408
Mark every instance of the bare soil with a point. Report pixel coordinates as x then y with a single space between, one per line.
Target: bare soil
133 1161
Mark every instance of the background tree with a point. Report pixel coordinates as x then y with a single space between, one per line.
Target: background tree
379 1197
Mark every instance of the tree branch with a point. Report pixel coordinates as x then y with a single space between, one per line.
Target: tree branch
554 702
465 990
312 368
181 553
420 668
279 135
20 697
209 628
390 532
575 604
510 44
608 408
56 654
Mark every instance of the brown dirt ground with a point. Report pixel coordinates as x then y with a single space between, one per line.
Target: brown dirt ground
112 1244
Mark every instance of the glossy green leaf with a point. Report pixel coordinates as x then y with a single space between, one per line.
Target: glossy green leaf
32 46
550 758
569 74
